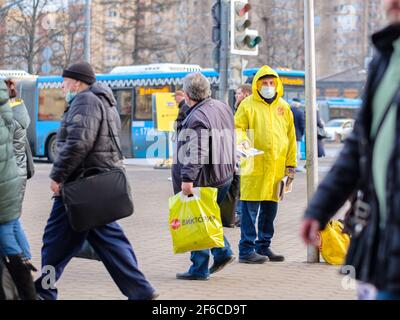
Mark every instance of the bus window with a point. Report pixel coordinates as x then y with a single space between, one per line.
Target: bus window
51 104
124 101
143 105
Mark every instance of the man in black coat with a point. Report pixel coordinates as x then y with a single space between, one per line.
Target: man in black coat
370 165
299 125
83 141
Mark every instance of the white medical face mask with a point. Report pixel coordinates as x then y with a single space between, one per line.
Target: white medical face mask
268 92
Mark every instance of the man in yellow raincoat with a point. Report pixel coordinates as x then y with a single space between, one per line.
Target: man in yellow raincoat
263 121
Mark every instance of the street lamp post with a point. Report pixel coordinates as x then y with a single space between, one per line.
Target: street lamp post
311 113
88 25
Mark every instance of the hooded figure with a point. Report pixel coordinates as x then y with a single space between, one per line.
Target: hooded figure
10 184
21 124
14 247
83 139
264 121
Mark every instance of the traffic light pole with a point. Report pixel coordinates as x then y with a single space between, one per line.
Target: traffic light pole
88 26
224 52
311 113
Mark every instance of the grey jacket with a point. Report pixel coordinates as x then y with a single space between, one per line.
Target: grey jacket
10 182
205 152
21 124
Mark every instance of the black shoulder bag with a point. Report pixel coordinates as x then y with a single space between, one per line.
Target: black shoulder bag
99 196
30 166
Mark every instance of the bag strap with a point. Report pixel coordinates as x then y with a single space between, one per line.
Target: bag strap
110 131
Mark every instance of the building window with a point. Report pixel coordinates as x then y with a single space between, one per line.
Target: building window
112 13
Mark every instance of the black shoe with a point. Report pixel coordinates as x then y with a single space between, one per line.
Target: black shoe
20 272
189 276
154 296
272 256
254 258
220 265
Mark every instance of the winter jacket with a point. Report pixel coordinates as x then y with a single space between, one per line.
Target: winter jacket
10 182
83 140
269 128
21 124
299 122
375 253
205 151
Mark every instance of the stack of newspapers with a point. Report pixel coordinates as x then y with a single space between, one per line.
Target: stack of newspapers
247 152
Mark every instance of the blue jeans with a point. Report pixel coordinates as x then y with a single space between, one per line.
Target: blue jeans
239 208
384 295
13 240
266 211
200 258
61 243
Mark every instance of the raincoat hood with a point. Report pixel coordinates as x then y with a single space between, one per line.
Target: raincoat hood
266 71
3 92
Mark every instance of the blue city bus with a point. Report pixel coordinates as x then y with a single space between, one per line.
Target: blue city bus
335 108
133 88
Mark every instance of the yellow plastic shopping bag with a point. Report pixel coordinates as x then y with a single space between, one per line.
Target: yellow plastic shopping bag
334 243
195 221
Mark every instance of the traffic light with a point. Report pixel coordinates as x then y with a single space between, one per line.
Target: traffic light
244 41
216 33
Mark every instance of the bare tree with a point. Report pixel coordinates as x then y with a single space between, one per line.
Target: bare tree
32 27
193 33
144 21
281 28
69 44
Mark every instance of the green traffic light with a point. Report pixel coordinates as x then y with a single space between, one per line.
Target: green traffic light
252 42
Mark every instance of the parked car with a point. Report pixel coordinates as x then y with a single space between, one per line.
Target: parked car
338 129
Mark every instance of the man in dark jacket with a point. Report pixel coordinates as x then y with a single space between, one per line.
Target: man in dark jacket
205 157
369 164
83 141
299 125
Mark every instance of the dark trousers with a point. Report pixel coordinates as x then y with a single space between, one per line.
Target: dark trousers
61 243
200 258
266 212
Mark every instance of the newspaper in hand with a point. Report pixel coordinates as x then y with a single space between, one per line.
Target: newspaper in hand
244 152
284 186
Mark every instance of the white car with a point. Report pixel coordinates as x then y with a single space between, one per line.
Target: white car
339 129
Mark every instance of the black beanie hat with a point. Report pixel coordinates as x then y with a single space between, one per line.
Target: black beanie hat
81 71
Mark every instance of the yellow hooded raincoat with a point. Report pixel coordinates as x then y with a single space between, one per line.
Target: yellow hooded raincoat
270 128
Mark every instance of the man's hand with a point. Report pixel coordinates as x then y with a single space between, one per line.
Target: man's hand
187 188
290 172
55 187
310 232
245 144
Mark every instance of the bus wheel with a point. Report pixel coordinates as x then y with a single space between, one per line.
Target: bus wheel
51 148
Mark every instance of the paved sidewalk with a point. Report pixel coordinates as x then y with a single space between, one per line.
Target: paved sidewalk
148 231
